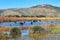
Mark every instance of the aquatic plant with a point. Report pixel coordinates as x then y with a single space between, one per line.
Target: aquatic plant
37 29
15 32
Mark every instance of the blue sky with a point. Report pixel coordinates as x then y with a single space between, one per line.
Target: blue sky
26 3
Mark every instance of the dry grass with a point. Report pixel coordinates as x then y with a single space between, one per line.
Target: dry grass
5 19
46 27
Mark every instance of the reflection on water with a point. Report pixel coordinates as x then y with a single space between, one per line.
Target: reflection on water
24 32
50 37
28 23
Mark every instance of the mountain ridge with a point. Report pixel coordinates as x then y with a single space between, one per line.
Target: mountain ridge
45 10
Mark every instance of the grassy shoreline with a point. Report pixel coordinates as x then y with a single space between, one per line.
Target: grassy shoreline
9 19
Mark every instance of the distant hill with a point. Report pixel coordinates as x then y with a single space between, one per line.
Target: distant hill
44 10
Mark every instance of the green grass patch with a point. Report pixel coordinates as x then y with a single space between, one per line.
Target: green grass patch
55 30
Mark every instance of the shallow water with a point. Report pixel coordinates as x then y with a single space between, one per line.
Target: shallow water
27 23
51 37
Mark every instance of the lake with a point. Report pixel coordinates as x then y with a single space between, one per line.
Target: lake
27 23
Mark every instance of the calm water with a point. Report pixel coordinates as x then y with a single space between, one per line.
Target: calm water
27 23
51 37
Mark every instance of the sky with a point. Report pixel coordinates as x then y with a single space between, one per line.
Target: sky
4 4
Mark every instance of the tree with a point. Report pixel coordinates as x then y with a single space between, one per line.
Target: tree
16 16
10 16
40 16
15 32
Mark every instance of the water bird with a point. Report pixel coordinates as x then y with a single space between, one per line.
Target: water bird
31 22
21 23
34 20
